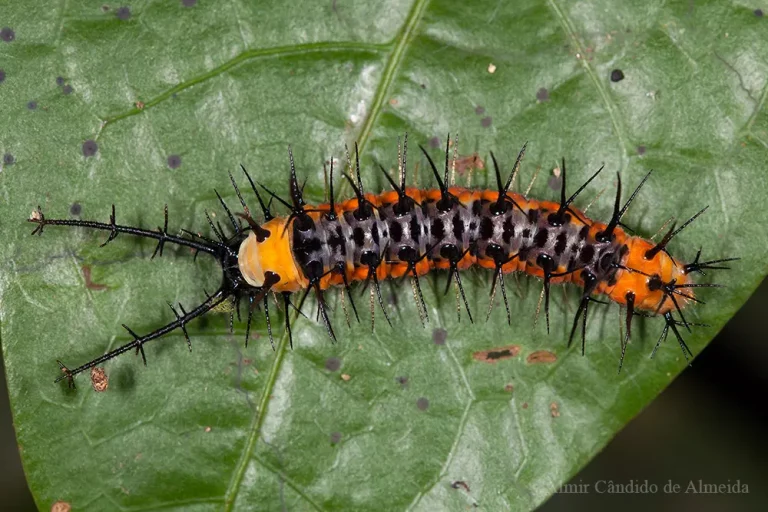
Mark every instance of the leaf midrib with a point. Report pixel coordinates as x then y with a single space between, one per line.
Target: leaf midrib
401 42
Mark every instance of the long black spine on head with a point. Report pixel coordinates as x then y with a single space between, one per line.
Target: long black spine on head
225 251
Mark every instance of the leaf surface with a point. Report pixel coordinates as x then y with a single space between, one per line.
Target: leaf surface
158 101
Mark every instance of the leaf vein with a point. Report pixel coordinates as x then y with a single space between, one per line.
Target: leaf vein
247 55
393 63
609 104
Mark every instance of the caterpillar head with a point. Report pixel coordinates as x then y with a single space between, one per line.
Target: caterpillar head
267 254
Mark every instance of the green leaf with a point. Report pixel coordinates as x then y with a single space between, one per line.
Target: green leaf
403 418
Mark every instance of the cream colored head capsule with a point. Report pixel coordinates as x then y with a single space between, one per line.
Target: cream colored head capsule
272 254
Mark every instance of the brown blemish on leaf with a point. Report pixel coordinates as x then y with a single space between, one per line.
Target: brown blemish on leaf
496 354
140 105
207 429
509 388
525 405
99 379
86 269
61 506
541 356
345 377
554 410
465 163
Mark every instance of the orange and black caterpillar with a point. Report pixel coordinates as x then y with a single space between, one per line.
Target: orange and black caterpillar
407 232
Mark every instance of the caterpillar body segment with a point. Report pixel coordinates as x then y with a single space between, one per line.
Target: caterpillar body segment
525 233
409 232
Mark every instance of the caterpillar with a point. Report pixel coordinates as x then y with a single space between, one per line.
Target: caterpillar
407 232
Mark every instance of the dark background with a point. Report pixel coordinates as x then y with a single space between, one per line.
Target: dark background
709 425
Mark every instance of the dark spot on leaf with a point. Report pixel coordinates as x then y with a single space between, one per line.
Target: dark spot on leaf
174 161
2 75
434 142
617 75
641 150
759 13
333 364
509 388
90 148
7 35
402 380
105 8
8 159
123 13
479 110
460 484
32 105
525 405
439 335
541 356
485 122
59 81
423 86
496 354
67 89
422 403
554 183
75 209
542 94
335 436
